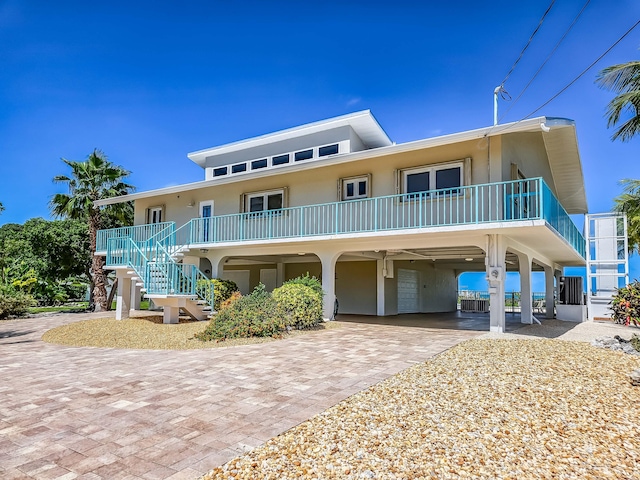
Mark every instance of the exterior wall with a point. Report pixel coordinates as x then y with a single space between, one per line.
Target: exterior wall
254 272
438 288
294 270
317 185
528 152
356 287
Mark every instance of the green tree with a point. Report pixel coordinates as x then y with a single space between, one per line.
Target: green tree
629 202
624 110
94 179
1 207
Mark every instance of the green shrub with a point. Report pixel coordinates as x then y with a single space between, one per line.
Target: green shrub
311 282
223 289
300 304
254 315
14 304
626 304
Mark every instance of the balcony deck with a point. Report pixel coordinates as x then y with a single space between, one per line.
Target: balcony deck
515 203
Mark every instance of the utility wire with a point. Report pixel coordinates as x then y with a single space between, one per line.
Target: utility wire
500 128
584 71
546 60
529 42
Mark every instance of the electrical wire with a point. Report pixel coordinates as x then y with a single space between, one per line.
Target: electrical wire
584 71
546 60
529 42
501 128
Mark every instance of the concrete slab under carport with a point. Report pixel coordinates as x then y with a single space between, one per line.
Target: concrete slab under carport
471 321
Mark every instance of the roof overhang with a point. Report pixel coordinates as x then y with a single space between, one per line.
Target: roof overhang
363 123
565 160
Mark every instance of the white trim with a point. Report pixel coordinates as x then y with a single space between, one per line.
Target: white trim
432 170
206 203
152 210
356 184
265 196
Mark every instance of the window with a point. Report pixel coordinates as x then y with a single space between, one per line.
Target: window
303 155
263 201
354 187
154 215
217 172
256 164
444 177
280 159
328 150
240 167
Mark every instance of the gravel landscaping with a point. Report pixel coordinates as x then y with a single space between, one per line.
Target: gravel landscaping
148 332
485 409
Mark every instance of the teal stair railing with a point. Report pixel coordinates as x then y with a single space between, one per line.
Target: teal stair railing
152 261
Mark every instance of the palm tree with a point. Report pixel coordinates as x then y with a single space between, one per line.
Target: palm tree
91 180
624 80
1 207
629 202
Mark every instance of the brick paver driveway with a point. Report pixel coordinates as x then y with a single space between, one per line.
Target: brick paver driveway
68 412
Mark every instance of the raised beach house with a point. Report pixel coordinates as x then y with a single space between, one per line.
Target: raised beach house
387 227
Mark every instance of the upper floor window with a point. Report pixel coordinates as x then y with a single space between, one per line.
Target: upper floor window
280 159
328 150
447 177
303 155
217 172
264 201
354 187
239 167
259 164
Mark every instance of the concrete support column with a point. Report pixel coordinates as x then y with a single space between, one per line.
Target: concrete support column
328 261
380 267
279 274
135 294
170 314
217 264
549 290
123 299
526 307
496 251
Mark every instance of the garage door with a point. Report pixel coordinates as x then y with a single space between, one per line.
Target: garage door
408 291
241 277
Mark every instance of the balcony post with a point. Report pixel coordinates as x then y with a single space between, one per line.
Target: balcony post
526 307
123 299
328 260
496 251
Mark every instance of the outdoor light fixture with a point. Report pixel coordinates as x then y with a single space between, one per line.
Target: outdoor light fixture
204 250
469 259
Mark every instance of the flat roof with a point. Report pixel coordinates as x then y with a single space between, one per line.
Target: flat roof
363 123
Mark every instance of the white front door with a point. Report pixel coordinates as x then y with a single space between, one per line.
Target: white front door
206 211
408 291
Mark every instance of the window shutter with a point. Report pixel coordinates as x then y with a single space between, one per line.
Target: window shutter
397 174
369 186
285 197
243 203
514 171
466 180
340 182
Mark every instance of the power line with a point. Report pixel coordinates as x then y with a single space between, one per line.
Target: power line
584 71
529 42
546 59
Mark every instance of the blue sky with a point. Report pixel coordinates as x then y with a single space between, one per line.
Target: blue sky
148 82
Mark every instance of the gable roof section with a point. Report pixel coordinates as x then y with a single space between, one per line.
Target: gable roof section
560 141
363 123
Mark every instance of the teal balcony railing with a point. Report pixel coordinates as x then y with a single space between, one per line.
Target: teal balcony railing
138 233
512 201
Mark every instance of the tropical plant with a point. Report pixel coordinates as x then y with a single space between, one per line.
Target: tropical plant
311 282
91 180
626 304
624 80
222 289
253 315
629 203
300 304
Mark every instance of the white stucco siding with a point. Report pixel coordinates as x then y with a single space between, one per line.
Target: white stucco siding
528 152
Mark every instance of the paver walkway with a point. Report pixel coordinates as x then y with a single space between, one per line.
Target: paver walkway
68 412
